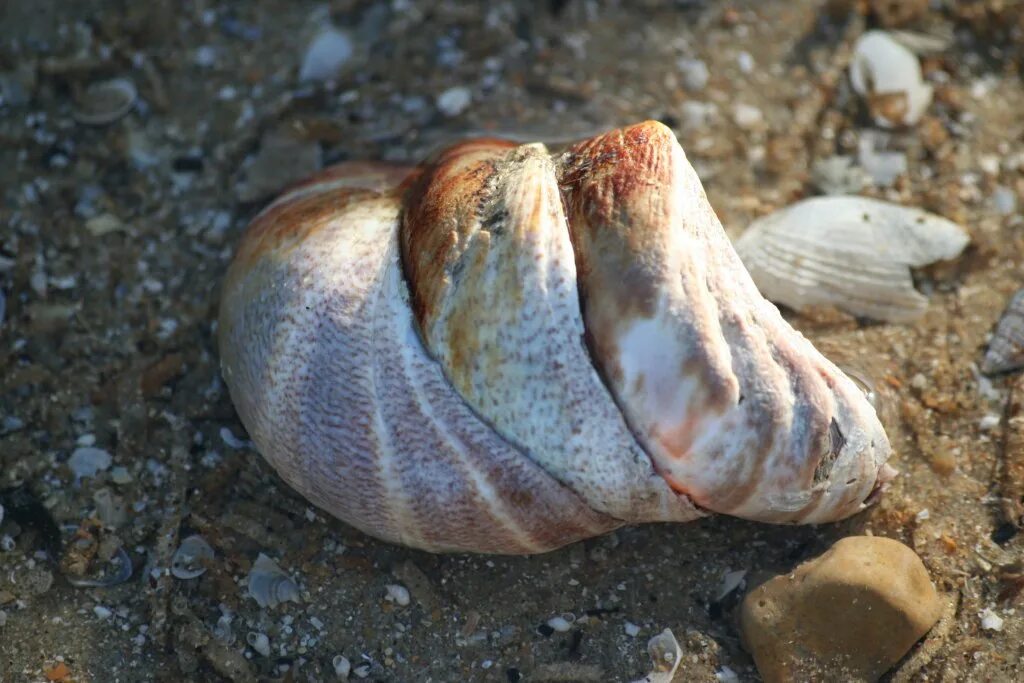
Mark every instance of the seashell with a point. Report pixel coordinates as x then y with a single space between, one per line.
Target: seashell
666 654
269 586
259 642
888 75
505 350
104 102
850 252
191 558
1006 350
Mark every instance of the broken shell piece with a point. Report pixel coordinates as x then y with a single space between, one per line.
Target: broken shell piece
839 175
105 102
1006 350
269 586
888 76
191 558
666 654
849 252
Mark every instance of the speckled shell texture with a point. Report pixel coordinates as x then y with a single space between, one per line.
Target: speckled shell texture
507 350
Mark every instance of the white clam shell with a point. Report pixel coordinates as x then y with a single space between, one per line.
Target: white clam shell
850 252
882 66
269 585
1006 350
191 558
507 350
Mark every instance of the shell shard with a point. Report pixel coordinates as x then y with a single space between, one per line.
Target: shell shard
850 252
269 585
506 351
888 75
191 558
1006 350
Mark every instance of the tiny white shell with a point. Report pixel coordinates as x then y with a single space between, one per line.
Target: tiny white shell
882 66
259 642
105 102
342 667
850 252
1006 350
269 585
191 558
397 594
666 654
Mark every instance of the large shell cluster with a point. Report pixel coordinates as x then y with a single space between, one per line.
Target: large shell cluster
507 350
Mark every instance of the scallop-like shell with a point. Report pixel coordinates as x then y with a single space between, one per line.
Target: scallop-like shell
1006 350
853 253
506 350
192 558
889 76
269 585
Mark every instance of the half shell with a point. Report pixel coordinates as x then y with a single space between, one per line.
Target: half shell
849 252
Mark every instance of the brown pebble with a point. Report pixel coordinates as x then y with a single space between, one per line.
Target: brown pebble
849 614
893 13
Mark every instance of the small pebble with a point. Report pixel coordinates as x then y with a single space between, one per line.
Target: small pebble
102 612
560 623
325 56
1004 200
745 62
747 116
88 461
631 629
454 101
877 588
695 73
120 475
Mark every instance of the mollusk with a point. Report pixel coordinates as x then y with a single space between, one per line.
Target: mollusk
507 350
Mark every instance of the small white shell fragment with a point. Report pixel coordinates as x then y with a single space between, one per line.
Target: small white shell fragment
88 461
850 252
269 585
397 594
259 642
727 675
881 166
730 582
232 441
326 55
562 622
666 654
880 67
631 629
102 612
454 101
342 667
105 102
990 621
1006 350
191 558
839 175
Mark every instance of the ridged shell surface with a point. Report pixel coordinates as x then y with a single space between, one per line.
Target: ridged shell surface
506 350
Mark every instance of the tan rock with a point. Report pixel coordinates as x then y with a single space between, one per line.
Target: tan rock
849 614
